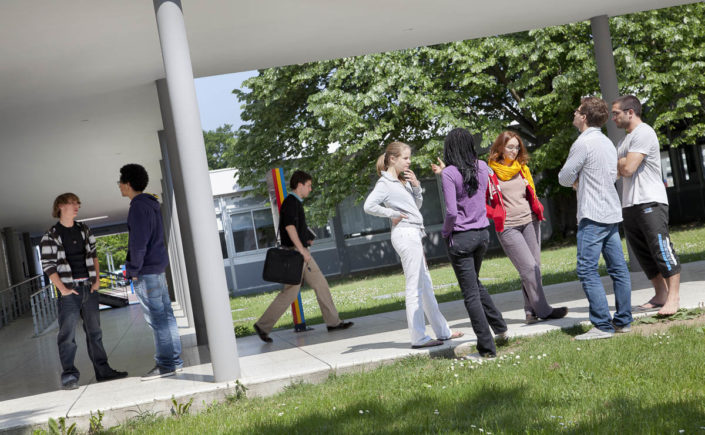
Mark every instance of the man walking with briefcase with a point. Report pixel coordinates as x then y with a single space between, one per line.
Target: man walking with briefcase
295 235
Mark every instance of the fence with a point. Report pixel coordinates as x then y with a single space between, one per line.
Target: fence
15 300
44 308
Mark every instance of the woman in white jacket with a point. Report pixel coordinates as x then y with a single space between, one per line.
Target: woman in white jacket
397 196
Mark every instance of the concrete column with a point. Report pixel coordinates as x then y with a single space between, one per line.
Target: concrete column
199 197
29 254
15 255
606 70
5 280
176 249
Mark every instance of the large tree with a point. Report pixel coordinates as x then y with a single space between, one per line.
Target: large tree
333 118
219 143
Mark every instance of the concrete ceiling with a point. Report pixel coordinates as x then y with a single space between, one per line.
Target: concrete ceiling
77 93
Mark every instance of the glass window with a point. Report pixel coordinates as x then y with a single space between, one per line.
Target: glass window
687 155
221 235
666 170
243 232
264 228
431 208
244 202
357 223
322 232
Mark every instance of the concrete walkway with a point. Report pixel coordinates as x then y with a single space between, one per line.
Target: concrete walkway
29 368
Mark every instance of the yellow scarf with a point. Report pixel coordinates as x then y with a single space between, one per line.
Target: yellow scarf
506 173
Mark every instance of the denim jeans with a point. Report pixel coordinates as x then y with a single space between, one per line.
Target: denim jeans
153 295
595 238
85 306
466 253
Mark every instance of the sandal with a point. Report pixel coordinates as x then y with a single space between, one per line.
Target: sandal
456 334
429 343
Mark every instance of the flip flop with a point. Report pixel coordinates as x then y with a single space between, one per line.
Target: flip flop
430 343
643 307
456 334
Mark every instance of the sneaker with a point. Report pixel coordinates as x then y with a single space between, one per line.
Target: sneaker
114 374
341 325
622 329
594 334
262 335
70 385
502 338
158 372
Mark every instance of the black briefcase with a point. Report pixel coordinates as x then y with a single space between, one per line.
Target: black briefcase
285 266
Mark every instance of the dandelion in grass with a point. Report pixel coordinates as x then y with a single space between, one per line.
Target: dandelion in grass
436 412
361 411
280 414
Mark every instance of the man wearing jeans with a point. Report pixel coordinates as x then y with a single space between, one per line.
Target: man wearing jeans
146 261
591 169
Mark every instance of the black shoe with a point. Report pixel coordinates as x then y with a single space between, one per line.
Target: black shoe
341 325
114 374
70 385
558 313
263 335
531 319
158 372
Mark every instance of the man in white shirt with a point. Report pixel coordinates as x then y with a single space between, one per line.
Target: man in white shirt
645 205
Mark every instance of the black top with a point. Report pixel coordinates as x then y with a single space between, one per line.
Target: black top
292 213
75 248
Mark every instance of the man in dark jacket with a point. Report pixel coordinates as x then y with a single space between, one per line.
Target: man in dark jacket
146 261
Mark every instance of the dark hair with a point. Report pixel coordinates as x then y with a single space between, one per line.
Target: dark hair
64 198
595 110
459 151
298 177
629 102
497 149
135 175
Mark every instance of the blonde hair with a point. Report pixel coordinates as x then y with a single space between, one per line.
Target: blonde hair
394 149
64 198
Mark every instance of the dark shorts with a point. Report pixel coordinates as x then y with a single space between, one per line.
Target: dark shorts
646 230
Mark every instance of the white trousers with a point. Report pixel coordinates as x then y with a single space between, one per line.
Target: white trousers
419 289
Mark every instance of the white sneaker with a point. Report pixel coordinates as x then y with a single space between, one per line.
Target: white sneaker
622 329
594 334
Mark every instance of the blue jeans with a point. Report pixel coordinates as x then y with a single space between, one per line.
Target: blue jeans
153 295
85 306
595 238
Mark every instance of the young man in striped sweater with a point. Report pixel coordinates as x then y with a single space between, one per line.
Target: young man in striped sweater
70 261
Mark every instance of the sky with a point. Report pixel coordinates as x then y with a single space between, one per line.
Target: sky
216 101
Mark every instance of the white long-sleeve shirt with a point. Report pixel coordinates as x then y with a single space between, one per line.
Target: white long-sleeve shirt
592 161
390 198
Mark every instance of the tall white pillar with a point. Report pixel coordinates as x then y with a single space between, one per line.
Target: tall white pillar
199 197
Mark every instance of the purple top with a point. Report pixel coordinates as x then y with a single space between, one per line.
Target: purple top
462 212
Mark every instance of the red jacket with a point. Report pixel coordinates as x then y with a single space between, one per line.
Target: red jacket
495 202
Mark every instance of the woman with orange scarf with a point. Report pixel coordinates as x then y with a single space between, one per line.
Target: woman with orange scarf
516 211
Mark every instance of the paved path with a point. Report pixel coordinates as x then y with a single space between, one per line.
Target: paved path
30 392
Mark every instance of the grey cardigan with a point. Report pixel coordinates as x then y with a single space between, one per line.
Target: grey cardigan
390 198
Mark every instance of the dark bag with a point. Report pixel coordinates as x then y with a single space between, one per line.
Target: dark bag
284 266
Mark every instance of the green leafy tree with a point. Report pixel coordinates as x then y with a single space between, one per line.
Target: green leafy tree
219 142
115 244
333 118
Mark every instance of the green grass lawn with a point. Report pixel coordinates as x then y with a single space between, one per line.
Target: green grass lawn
648 381
383 292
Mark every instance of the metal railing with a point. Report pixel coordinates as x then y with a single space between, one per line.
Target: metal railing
15 300
44 308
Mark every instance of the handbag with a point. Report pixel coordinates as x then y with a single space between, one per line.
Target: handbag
285 266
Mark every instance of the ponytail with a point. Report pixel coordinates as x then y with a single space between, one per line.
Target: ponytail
382 164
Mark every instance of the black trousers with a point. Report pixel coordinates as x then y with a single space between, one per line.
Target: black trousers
466 250
85 306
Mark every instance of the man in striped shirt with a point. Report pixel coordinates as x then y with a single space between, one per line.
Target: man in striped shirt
591 169
70 261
